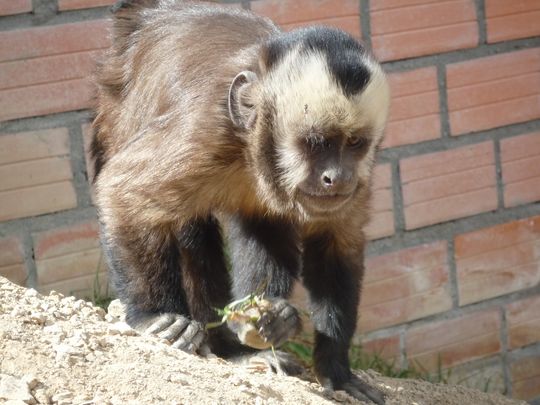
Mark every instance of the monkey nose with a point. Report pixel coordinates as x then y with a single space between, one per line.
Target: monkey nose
329 178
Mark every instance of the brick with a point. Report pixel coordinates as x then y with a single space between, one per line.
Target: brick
10 7
47 69
512 20
69 258
66 240
43 199
290 14
520 159
12 264
494 91
415 28
405 285
414 111
454 341
382 215
78 4
447 185
523 322
35 172
32 145
50 40
82 287
386 348
68 95
498 260
525 376
488 376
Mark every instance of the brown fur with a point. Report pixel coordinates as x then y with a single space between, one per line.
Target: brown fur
167 155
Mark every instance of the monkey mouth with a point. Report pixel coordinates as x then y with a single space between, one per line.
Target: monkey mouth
320 203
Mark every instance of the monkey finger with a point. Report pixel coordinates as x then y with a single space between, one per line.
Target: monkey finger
175 329
162 322
205 350
280 332
191 338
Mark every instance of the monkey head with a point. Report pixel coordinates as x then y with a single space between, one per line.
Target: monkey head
313 117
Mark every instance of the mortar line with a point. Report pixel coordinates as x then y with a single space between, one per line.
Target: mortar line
481 19
365 23
504 352
494 303
450 229
47 221
397 195
78 165
29 261
498 175
452 272
453 142
462 55
443 100
403 349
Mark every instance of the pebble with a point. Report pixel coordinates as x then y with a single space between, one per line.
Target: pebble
12 388
42 396
121 328
30 380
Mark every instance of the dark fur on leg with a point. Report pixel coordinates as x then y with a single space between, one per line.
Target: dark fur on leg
145 273
332 279
205 277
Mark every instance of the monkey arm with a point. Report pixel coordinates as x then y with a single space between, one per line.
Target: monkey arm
333 278
265 259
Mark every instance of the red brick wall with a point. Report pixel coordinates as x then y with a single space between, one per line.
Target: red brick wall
453 268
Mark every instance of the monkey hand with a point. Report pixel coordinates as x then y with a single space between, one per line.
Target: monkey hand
362 391
276 322
279 322
183 333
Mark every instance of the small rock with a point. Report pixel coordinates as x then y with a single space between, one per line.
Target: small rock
42 396
64 396
66 352
116 311
30 293
121 328
38 318
15 389
30 380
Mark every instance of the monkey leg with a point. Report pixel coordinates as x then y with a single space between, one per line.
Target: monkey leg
333 279
145 271
265 258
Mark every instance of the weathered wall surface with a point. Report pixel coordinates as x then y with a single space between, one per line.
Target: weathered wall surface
453 274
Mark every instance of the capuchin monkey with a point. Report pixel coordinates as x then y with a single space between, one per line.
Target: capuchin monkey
213 125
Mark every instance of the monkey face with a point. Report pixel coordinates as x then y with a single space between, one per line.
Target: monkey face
313 118
330 178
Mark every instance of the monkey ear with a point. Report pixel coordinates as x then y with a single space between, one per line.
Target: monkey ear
241 107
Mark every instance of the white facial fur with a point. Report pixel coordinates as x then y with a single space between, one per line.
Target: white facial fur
307 96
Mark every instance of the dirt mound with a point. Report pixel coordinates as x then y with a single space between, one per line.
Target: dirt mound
56 349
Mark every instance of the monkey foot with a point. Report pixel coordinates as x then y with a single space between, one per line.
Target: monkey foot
278 362
183 333
362 391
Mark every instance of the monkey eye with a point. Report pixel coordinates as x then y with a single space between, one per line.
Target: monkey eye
356 141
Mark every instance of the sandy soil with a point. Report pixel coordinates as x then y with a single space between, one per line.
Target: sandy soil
56 349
